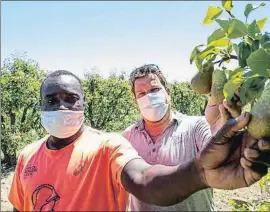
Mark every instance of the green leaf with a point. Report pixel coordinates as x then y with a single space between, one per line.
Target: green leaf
261 23
198 62
209 51
221 42
236 49
251 89
253 29
249 8
224 24
259 62
265 38
233 84
236 29
266 46
194 53
212 14
227 5
216 35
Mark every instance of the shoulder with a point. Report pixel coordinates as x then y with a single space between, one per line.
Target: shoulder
31 149
193 120
131 129
109 140
193 123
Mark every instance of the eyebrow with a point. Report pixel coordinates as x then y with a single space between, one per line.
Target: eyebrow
54 94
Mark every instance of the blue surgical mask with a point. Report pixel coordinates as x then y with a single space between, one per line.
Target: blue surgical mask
153 106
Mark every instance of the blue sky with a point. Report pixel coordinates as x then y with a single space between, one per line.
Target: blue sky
78 36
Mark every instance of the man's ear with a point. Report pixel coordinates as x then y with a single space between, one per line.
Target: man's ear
168 91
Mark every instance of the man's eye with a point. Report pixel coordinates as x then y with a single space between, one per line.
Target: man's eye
140 95
51 101
154 90
72 99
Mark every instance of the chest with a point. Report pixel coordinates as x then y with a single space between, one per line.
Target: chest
172 148
59 181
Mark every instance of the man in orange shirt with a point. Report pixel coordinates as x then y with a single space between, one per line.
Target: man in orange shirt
77 168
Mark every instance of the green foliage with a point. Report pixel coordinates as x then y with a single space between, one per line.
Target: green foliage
240 41
246 43
239 205
109 102
20 81
187 101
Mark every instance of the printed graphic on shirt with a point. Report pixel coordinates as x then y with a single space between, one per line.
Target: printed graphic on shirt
44 198
29 170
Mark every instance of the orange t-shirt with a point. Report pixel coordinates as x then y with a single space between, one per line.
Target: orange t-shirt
83 176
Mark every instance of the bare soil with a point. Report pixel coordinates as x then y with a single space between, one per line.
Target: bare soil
221 197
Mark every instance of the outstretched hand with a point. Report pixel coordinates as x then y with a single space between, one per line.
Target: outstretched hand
232 158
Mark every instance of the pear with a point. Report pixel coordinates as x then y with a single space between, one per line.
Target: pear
219 79
259 126
201 82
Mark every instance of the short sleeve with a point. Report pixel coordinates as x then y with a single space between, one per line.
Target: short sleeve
202 132
16 196
121 152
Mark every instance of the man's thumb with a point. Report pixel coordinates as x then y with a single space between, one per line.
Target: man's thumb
232 126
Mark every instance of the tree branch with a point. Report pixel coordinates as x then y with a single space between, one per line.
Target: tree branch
225 59
232 16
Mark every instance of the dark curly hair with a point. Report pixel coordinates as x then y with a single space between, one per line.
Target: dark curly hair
144 71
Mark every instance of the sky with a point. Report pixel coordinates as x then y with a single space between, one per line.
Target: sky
111 36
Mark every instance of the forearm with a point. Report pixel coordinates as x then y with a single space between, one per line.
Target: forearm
164 185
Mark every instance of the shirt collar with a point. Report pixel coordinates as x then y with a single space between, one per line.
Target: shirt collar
176 118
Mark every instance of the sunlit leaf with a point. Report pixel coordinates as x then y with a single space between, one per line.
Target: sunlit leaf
216 35
212 14
227 5
261 23
221 42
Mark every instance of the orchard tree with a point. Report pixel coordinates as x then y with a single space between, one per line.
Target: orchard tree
245 42
109 102
20 91
187 101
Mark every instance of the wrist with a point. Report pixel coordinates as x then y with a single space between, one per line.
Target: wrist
199 171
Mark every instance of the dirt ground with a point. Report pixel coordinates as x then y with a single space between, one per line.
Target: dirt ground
221 197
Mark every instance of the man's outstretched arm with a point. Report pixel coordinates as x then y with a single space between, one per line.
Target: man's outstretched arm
218 165
162 185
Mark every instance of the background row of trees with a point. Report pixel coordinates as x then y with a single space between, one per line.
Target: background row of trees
109 105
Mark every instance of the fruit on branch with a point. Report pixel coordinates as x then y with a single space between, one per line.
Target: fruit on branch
244 52
259 126
202 81
219 79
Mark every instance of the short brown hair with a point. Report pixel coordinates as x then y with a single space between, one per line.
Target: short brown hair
144 71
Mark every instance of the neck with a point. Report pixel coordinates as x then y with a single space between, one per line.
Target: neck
156 128
59 143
